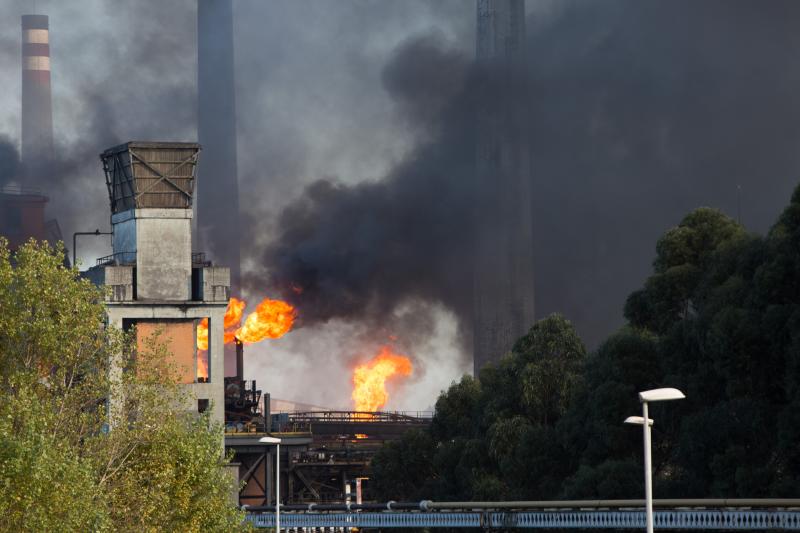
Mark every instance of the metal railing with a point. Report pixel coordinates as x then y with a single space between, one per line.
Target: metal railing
199 259
119 259
410 417
129 258
698 514
708 519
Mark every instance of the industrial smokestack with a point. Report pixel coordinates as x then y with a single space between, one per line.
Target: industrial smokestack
503 297
218 188
37 114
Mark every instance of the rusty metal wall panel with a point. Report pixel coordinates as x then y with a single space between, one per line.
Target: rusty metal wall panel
180 339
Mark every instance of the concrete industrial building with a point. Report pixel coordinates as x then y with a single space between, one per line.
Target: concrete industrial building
156 282
503 290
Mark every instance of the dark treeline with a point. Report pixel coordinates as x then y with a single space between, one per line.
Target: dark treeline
719 318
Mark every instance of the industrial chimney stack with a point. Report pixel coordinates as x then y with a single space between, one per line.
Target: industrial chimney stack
218 192
503 297
37 115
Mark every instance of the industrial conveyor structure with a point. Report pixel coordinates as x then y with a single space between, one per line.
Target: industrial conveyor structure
680 514
325 455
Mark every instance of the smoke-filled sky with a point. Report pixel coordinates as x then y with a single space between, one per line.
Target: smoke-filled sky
355 151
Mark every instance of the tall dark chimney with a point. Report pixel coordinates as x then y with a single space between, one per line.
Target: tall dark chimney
37 114
503 296
217 187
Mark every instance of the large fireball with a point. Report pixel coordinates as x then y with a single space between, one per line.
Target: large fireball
369 379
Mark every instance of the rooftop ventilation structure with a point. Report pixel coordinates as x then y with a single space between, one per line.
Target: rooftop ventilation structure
150 175
151 188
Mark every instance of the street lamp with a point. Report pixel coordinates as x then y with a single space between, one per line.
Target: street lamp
655 395
277 442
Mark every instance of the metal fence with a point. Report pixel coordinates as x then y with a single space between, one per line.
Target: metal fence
709 519
117 259
410 417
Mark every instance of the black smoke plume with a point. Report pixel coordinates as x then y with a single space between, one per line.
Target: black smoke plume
357 252
637 112
9 161
144 90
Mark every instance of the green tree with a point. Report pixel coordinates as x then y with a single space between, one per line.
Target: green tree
458 410
592 430
61 469
490 438
550 361
404 468
683 255
719 318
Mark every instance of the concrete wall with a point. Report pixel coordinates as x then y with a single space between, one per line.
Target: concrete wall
117 279
161 242
215 284
214 390
163 254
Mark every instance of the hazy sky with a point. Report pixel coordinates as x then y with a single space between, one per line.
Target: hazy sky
310 104
637 112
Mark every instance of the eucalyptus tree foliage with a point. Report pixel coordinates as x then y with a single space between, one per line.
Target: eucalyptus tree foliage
67 463
718 318
491 436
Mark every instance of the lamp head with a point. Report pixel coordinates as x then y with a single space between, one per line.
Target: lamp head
660 395
269 440
638 421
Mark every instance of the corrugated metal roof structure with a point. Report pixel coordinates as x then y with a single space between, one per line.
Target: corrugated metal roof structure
150 174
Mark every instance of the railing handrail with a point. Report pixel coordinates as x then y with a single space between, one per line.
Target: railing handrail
198 259
360 416
691 519
429 505
112 259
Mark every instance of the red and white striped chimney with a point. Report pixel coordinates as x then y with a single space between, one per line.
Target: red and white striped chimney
37 114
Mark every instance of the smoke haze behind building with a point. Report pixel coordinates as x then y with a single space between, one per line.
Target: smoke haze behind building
355 154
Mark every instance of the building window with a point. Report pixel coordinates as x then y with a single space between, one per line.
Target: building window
178 340
202 405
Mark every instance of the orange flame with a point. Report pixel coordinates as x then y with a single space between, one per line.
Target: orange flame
272 319
369 379
202 365
202 335
202 346
275 316
233 317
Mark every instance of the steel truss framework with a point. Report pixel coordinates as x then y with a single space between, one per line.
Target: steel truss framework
707 519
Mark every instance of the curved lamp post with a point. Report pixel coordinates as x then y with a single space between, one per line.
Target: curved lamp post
277 442
655 395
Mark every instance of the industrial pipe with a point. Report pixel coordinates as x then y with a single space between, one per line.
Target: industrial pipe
314 507
591 504
75 244
428 505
